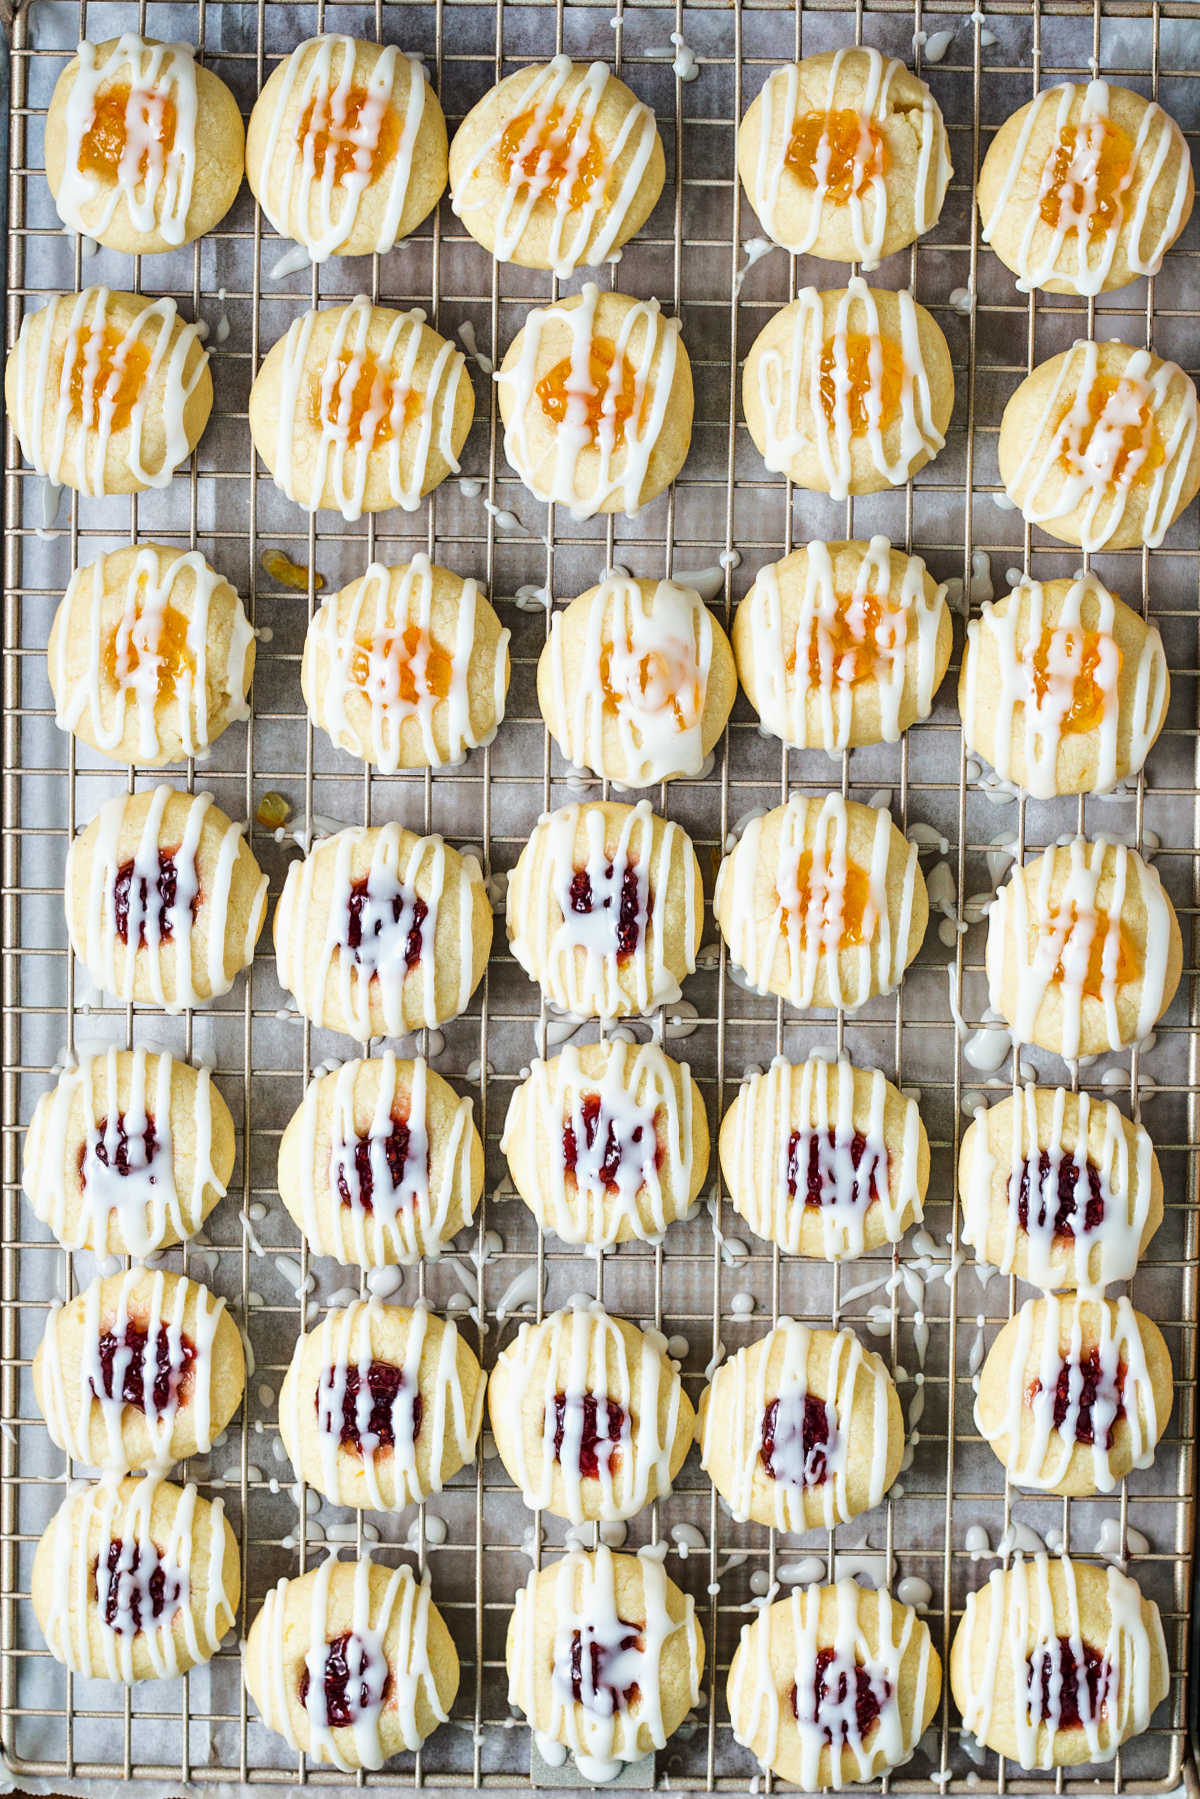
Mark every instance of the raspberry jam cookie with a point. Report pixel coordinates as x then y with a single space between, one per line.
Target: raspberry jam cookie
346 147
136 1580
128 1153
1084 189
1058 1662
589 1415
833 1684
107 392
802 1428
844 156
824 1159
144 150
605 908
381 1164
407 667
842 644
604 1657
1058 1188
1100 446
850 391
150 655
1075 1393
1084 951
360 408
1064 688
636 681
381 1405
596 398
607 1142
351 1663
557 167
821 902
164 900
141 1370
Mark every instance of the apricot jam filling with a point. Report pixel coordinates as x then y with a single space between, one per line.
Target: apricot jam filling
160 639
361 133
106 377
842 906
841 152
1061 928
1088 172
406 667
865 375
1118 439
844 650
551 156
359 400
102 148
555 392
660 681
1082 651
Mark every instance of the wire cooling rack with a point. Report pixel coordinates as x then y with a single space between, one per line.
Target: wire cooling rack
952 1513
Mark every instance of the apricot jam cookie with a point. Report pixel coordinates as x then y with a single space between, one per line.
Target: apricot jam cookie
128 1153
164 900
605 908
1100 446
607 1142
136 1579
351 1663
844 156
381 1405
1085 188
1058 1188
842 644
824 1159
381 1164
822 902
849 391
1064 688
636 681
144 150
596 398
1084 951
360 408
1058 1662
798 1664
589 1415
140 1370
107 392
346 147
556 167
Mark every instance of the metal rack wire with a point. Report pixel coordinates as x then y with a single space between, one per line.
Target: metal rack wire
928 1313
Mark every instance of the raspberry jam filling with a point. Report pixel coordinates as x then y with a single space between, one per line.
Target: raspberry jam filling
608 1153
841 1713
842 1171
381 928
1061 1184
135 1591
127 1367
1087 1392
357 1164
798 1438
111 1145
625 897
355 1681
594 1427
127 898
603 1665
1061 1685
374 1412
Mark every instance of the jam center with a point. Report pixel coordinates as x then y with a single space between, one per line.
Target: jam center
106 377
151 650
119 115
798 1438
377 927
1117 439
614 1152
607 401
833 911
862 379
549 155
1059 1682
1060 1183
1108 965
1086 176
632 906
385 1159
662 679
1066 665
401 669
840 153
375 1412
841 1171
111 1145
845 1701
355 1681
592 1429
844 649
132 893
361 402
153 1383
1091 1395
358 128
136 1592
603 1668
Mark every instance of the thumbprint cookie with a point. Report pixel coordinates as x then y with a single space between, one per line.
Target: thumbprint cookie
589 1415
844 156
596 398
164 900
557 167
607 1142
636 681
381 1164
381 1405
1075 1393
1063 687
150 655
824 1159
1058 1188
360 408
136 1579
407 667
1100 446
604 1657
144 150
346 147
842 644
849 391
605 908
107 392
1083 951
351 1663
802 1428
821 902
1058 1662
1085 188
378 932
128 1153
833 1684
140 1370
